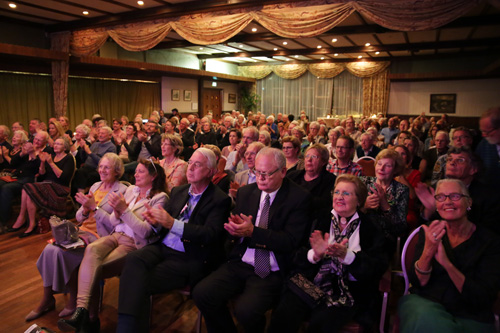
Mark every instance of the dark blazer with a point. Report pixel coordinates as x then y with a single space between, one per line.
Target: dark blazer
320 189
204 233
373 153
187 142
134 148
289 222
153 145
209 138
368 266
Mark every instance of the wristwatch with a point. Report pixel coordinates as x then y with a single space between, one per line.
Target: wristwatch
96 208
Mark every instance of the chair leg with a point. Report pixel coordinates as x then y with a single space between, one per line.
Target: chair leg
198 322
383 312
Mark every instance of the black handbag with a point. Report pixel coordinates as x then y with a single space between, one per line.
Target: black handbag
307 291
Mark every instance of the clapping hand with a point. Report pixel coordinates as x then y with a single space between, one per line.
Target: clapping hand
319 244
239 225
117 202
158 216
338 250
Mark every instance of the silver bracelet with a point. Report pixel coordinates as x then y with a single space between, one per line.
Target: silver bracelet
422 271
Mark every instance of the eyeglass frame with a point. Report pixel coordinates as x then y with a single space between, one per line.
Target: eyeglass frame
264 175
445 196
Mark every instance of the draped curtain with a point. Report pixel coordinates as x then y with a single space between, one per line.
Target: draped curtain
342 95
289 20
60 72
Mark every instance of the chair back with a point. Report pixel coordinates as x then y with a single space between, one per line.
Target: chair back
407 256
368 165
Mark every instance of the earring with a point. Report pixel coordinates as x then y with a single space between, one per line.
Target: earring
468 208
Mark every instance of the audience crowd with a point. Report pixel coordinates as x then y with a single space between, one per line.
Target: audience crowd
265 211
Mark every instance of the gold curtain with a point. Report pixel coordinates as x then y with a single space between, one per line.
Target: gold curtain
290 71
110 98
376 93
326 70
256 72
289 20
366 68
60 69
24 97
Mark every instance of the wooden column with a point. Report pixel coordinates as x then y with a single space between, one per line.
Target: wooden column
60 70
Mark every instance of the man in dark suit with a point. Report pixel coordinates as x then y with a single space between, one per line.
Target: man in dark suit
150 142
191 242
366 147
187 135
270 221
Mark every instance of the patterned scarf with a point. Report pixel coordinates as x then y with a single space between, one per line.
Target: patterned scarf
332 270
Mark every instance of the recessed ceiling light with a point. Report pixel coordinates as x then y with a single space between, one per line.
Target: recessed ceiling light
240 46
201 48
140 3
254 29
318 47
284 43
359 57
334 40
322 58
288 59
336 54
85 12
377 52
275 49
368 44
296 56
12 5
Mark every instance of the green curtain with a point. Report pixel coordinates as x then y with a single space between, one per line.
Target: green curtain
111 99
23 97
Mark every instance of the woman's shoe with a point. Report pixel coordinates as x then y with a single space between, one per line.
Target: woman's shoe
66 312
34 315
25 224
26 234
80 318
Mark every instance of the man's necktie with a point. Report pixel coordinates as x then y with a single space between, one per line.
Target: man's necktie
262 261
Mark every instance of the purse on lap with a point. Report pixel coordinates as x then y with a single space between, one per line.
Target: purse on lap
307 291
64 232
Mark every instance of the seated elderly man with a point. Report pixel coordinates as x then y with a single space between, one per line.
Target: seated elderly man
460 136
313 137
270 221
366 147
87 174
463 164
190 245
248 176
430 156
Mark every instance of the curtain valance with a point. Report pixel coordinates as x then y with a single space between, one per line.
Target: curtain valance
320 70
289 20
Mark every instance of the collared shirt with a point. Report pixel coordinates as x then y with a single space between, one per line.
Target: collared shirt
352 168
249 256
144 153
251 177
173 238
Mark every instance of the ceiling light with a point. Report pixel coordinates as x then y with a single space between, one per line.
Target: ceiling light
377 52
334 40
336 54
140 3
284 43
12 5
254 29
368 44
240 46
288 59
296 56
318 47
359 57
275 49
322 58
201 48
85 12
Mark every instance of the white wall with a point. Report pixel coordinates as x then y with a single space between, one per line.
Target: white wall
169 83
228 88
213 65
473 96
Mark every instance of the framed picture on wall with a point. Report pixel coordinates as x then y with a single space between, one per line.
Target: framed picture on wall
443 103
187 95
231 98
175 94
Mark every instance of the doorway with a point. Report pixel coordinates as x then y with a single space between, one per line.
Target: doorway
211 102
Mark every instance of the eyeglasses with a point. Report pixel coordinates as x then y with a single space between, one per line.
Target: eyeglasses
312 157
196 164
264 175
342 193
459 160
286 148
452 196
461 137
250 153
488 132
